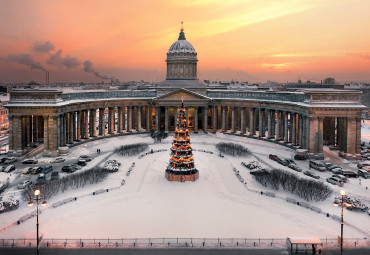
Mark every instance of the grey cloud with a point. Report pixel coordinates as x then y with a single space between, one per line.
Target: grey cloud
88 67
25 59
43 47
57 60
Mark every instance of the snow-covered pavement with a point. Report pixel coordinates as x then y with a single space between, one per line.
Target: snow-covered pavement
216 205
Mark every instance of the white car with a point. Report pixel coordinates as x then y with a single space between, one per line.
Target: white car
24 184
84 158
9 168
58 160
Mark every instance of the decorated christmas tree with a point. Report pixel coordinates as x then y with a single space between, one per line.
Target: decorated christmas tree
181 166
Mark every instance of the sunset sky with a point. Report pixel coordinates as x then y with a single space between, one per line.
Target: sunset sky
245 40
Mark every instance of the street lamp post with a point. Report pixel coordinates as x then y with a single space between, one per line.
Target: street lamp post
30 203
336 203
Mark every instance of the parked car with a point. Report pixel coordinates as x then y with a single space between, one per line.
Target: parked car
27 170
361 164
76 166
337 170
273 157
300 157
81 163
363 173
295 168
24 184
84 158
9 168
318 165
30 161
47 169
347 173
58 160
36 170
282 162
10 160
54 175
334 181
329 168
340 177
68 169
2 160
308 173
40 179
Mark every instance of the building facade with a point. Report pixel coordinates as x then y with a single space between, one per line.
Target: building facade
306 119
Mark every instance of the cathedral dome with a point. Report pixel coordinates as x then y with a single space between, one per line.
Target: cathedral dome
181 45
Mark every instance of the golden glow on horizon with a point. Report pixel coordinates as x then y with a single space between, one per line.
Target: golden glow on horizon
236 39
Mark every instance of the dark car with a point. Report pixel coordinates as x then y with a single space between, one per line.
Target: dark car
347 173
81 163
282 162
295 168
54 175
273 157
300 157
36 170
47 169
68 169
2 160
40 179
310 174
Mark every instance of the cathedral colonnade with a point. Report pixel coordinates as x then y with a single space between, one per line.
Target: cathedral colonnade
64 123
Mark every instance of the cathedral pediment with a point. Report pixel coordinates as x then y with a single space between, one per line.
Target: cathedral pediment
182 93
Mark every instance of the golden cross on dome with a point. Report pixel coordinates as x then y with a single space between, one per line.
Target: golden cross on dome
182 26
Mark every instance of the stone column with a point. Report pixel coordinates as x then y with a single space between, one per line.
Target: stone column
123 117
148 120
294 128
78 137
92 126
102 121
129 118
166 119
286 137
351 137
138 108
223 118
10 132
242 120
17 134
111 120
252 125
86 124
157 112
119 119
261 127
70 127
34 129
46 134
214 119
205 119
233 119
75 126
269 124
300 129
195 119
278 123
358 138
